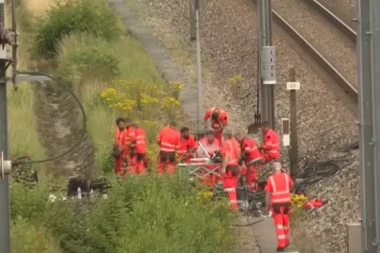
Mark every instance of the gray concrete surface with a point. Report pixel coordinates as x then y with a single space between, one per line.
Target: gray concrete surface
266 237
164 63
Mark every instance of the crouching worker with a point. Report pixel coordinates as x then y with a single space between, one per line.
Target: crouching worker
230 167
168 141
269 150
250 155
278 201
209 147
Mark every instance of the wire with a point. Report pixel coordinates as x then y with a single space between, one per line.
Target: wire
84 118
311 173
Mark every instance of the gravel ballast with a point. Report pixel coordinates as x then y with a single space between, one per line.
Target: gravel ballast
229 41
333 44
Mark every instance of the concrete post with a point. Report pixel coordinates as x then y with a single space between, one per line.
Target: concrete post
293 86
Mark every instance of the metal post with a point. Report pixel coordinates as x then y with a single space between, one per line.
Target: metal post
193 35
375 67
366 146
199 69
5 237
265 39
293 123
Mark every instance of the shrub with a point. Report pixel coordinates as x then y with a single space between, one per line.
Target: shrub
65 17
141 215
29 238
83 55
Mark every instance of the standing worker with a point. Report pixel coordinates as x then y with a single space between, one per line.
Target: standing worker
138 149
130 143
119 146
278 201
270 149
168 141
219 120
187 145
250 154
230 167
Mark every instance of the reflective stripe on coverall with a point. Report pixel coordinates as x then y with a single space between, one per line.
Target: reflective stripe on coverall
279 185
120 144
252 154
211 179
230 177
168 140
185 146
223 118
270 147
137 160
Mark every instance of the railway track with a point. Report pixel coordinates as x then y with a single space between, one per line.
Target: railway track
314 52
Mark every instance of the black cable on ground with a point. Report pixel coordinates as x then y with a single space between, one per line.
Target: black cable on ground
248 224
84 118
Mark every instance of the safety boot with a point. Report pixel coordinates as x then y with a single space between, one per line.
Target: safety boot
280 249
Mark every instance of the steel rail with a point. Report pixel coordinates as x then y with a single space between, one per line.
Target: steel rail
342 26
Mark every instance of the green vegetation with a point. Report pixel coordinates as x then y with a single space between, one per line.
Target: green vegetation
86 45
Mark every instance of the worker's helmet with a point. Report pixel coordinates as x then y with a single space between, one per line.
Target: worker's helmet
215 114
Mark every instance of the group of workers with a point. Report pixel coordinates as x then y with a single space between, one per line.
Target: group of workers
238 153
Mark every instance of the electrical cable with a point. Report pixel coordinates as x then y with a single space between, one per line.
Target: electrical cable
84 118
310 174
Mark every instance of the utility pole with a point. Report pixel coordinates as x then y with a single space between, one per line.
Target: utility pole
193 35
199 71
5 237
266 61
366 126
293 86
375 62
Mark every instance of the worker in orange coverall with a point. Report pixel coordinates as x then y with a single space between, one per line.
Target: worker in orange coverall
137 150
219 120
278 201
119 146
252 159
230 167
168 141
210 145
187 145
270 149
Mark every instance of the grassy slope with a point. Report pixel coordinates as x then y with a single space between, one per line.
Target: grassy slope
134 63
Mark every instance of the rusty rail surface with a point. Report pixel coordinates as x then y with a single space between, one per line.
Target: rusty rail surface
334 19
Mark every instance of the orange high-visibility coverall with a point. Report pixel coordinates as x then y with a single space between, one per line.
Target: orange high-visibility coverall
137 160
185 148
252 154
216 124
230 178
120 136
130 143
212 179
279 185
271 146
168 140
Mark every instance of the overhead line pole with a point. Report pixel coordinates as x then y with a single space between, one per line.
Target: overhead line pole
5 237
199 71
266 62
375 66
366 145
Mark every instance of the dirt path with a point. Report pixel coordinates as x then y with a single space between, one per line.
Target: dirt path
60 126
